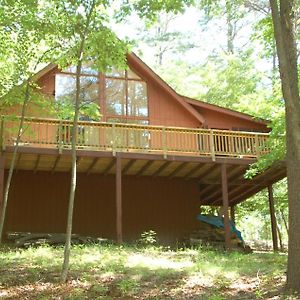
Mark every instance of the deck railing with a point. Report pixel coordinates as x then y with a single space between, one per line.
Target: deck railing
115 137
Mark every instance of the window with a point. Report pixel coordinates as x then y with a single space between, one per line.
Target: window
119 94
126 96
137 99
115 97
65 93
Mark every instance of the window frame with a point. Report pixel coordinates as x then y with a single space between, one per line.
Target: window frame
102 99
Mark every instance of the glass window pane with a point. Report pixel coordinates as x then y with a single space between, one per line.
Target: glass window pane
115 97
85 69
89 89
65 87
89 97
115 73
65 93
132 75
137 99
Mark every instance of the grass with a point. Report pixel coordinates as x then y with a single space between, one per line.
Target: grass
129 272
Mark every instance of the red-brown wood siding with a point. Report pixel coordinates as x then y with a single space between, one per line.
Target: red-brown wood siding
165 111
38 203
214 119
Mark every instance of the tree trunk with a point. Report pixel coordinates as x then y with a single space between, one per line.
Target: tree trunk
287 56
65 267
230 27
13 161
279 237
284 221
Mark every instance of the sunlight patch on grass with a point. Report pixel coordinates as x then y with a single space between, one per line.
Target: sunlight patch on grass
153 263
111 271
198 279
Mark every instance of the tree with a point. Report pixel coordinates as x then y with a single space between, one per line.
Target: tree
163 39
26 42
284 31
83 28
231 13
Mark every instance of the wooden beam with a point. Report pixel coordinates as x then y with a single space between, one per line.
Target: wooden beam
225 207
161 168
230 179
119 199
273 218
193 171
178 169
92 165
254 189
37 163
141 156
189 158
128 166
18 162
79 160
55 164
109 167
208 172
145 167
2 168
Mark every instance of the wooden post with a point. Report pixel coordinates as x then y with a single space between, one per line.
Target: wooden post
164 142
119 199
212 145
232 213
1 134
225 207
273 218
60 137
257 150
1 180
113 146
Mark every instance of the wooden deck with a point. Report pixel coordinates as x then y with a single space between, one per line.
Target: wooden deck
114 137
152 151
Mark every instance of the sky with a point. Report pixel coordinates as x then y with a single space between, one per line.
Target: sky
207 38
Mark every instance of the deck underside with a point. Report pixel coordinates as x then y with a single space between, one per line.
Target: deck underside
204 170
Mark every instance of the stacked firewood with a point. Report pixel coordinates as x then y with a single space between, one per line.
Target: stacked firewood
210 236
26 239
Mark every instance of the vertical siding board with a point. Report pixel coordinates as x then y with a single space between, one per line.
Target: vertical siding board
159 204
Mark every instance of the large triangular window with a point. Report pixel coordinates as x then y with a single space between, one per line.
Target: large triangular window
121 95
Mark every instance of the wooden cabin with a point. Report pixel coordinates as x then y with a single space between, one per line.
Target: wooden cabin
148 163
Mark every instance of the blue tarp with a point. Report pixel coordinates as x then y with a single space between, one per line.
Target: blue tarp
219 223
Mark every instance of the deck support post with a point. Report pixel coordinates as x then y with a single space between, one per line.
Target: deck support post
225 207
119 199
1 181
273 218
232 213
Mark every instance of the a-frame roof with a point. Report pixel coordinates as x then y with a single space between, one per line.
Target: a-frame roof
188 104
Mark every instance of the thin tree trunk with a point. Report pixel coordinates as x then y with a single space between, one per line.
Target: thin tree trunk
287 56
274 69
284 221
65 266
279 237
230 28
13 161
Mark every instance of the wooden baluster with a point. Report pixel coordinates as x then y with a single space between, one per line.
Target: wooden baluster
164 142
212 145
257 151
60 133
113 141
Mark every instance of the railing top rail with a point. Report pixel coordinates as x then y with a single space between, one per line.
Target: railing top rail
138 126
